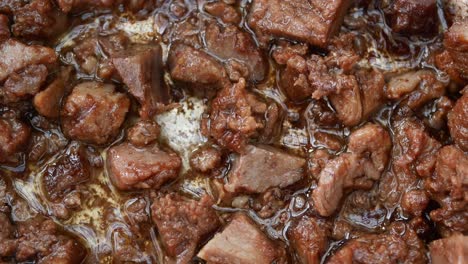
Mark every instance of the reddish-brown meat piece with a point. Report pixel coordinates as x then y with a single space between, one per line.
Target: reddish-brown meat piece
241 242
398 245
183 224
76 5
458 122
193 66
143 133
238 50
4 28
7 243
15 56
414 16
25 84
205 159
453 249
309 238
371 84
226 12
232 117
456 43
94 112
14 136
348 104
141 70
294 80
310 21
449 187
68 171
262 167
47 102
132 167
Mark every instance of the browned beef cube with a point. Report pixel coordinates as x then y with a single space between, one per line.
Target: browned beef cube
94 112
414 16
456 43
458 122
192 66
25 84
7 242
453 249
205 159
314 21
14 135
132 167
4 28
141 70
15 55
143 133
183 224
263 167
241 242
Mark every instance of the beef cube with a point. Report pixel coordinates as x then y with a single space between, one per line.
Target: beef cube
241 242
132 167
143 133
456 43
192 66
15 56
414 16
457 122
226 12
47 102
25 84
183 224
371 84
141 70
69 170
452 249
14 136
4 28
400 244
294 79
309 238
7 243
236 47
262 167
314 22
348 103
205 159
94 112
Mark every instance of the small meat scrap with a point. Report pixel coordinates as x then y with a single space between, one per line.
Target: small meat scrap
193 66
25 84
241 242
14 136
143 133
314 22
133 168
94 112
458 123
414 16
453 249
183 224
15 56
400 244
262 167
142 71
234 117
205 158
456 43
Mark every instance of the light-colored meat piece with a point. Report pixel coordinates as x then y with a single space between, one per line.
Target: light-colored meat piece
26 83
458 122
452 250
262 167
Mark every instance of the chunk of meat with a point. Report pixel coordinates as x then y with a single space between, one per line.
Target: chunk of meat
453 249
68 171
4 28
369 149
232 117
444 61
456 9
141 70
398 245
236 47
310 21
143 133
43 240
94 112
371 84
24 84
15 56
14 136
77 5
309 238
405 83
241 242
132 167
456 43
457 122
414 16
183 224
47 102
225 12
205 159
7 243
348 104
294 80
190 65
262 167
449 187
